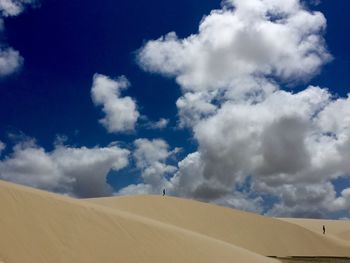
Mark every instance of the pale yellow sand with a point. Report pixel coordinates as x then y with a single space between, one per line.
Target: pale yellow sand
263 235
339 229
39 227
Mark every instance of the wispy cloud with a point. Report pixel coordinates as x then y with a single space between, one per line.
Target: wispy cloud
2 147
162 123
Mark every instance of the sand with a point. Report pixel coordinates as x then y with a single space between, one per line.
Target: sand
337 229
264 235
37 226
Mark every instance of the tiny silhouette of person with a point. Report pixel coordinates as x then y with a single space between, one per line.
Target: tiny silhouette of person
324 229
163 192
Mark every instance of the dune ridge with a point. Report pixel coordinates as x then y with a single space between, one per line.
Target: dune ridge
337 229
41 227
37 226
263 235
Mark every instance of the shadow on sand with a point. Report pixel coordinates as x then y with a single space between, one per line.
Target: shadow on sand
314 260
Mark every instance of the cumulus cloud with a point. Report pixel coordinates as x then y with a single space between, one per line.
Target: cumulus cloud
290 144
281 140
79 172
194 106
10 59
14 7
256 38
256 140
310 200
150 157
343 201
121 113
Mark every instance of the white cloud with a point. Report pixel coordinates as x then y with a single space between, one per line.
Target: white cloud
257 38
2 147
335 118
194 106
161 124
10 59
343 201
121 112
300 200
137 189
189 181
158 125
315 2
79 172
151 157
148 152
254 139
14 7
289 142
242 201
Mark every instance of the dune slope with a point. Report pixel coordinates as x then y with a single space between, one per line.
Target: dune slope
339 229
263 235
37 226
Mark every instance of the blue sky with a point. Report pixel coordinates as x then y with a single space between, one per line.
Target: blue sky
203 117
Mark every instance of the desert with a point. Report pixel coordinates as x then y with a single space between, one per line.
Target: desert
37 226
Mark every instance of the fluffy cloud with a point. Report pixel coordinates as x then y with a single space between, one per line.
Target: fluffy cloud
256 38
150 157
343 201
189 181
10 59
291 145
256 140
121 112
78 172
194 106
305 200
14 7
283 141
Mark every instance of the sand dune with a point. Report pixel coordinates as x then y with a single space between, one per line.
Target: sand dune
339 229
263 235
36 226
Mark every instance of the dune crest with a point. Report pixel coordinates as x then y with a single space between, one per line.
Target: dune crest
338 229
263 235
37 226
40 227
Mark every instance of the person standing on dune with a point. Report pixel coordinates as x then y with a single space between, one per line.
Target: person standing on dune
163 192
324 229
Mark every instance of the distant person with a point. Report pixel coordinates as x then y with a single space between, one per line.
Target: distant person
324 229
163 192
